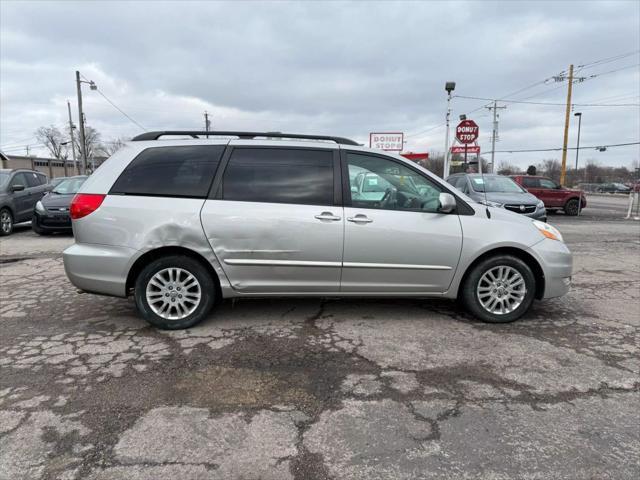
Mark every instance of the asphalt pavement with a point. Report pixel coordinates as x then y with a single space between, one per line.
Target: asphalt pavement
325 388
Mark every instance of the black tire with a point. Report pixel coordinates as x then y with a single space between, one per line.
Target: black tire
552 211
188 264
35 226
571 207
6 222
471 300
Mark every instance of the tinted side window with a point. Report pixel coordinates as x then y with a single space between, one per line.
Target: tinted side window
42 178
279 175
33 179
19 179
170 171
528 182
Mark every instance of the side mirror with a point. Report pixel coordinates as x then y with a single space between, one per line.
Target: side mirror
17 188
447 203
354 189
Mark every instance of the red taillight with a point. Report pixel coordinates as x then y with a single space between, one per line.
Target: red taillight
85 203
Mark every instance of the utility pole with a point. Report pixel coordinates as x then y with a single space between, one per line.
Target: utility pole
73 146
207 123
83 146
33 167
494 134
563 172
449 87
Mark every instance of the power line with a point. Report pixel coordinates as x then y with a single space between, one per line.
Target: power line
554 104
607 60
597 147
95 87
16 143
596 75
426 131
119 109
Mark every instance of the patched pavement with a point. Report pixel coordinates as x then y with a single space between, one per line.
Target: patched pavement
323 388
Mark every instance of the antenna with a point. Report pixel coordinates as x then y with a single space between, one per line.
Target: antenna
484 186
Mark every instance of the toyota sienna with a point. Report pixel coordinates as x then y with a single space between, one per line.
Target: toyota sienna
181 223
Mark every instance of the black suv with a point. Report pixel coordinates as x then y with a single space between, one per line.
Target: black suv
19 192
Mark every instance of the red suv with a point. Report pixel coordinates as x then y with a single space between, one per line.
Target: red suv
554 196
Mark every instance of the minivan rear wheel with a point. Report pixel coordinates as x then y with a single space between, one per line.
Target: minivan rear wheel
174 292
6 222
499 289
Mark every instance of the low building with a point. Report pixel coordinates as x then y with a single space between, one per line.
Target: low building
51 167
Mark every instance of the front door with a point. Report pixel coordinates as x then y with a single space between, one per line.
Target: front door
551 191
395 240
275 221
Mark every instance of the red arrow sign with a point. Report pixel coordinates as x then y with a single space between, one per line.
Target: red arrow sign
467 132
460 149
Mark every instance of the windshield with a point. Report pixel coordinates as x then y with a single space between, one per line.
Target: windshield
4 176
69 186
495 185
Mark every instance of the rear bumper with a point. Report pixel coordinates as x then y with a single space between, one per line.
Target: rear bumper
557 264
98 268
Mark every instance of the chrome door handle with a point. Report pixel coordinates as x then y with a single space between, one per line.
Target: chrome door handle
328 216
360 219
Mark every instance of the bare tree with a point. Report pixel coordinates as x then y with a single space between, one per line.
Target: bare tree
506 168
109 147
54 140
551 168
91 142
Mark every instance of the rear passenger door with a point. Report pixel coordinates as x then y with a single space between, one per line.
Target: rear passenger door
36 185
275 220
21 199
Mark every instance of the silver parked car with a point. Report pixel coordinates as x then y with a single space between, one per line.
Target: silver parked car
501 192
181 224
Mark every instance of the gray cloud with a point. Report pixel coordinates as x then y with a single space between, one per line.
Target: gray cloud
326 67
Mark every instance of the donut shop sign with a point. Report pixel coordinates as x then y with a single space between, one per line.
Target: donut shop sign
387 141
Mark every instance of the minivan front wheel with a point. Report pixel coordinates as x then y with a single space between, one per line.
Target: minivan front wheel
174 292
6 222
499 289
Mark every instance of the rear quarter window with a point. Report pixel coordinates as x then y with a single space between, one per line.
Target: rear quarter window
185 171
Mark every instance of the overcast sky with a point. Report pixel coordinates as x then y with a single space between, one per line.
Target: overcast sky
326 68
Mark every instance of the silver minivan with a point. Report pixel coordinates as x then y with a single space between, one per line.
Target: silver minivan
181 223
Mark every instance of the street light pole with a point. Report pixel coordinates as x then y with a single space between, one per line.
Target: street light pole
73 146
579 115
83 146
449 87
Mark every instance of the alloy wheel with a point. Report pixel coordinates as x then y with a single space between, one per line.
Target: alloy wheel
173 293
501 290
6 222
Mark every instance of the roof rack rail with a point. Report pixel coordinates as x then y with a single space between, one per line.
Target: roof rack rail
242 135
